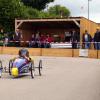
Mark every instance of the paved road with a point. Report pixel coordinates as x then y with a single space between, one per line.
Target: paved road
62 79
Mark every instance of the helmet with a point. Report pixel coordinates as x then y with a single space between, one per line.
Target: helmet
23 52
14 71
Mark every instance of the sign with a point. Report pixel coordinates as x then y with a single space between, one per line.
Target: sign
83 52
61 45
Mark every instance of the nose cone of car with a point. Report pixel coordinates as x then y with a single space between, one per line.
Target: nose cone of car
14 71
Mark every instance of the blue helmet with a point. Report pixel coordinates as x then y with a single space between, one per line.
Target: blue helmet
23 52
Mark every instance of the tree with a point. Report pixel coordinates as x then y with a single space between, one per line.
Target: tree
37 4
9 10
43 14
58 11
32 13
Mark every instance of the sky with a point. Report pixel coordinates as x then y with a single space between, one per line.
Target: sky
80 8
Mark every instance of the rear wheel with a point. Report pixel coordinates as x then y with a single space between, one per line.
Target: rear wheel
40 67
10 66
1 64
1 68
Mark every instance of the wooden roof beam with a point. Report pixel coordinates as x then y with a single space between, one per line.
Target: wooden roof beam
76 23
18 23
47 20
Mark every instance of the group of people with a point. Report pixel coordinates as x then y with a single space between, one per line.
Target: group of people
40 40
87 40
44 40
16 38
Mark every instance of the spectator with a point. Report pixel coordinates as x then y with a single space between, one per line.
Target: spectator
74 39
49 39
17 37
86 39
78 39
62 37
42 40
37 36
1 34
32 41
67 36
5 40
97 39
37 39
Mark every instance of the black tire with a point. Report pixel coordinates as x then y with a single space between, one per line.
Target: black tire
10 66
1 64
1 68
40 67
32 69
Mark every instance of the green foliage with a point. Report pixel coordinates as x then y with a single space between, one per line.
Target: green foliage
43 14
9 10
58 11
37 4
32 13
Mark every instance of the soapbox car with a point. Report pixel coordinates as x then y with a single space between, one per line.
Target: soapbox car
23 65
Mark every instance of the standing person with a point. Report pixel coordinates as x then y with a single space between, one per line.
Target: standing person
67 36
74 39
17 37
86 39
1 35
37 40
5 39
78 39
97 39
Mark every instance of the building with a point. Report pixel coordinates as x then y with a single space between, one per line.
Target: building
55 26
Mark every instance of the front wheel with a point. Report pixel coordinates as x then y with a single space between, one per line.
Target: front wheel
32 69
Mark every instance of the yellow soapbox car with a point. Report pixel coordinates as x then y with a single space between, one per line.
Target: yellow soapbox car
23 65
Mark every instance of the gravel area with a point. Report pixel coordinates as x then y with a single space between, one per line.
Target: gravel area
63 78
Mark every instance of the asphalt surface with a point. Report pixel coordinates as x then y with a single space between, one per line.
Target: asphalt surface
62 79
